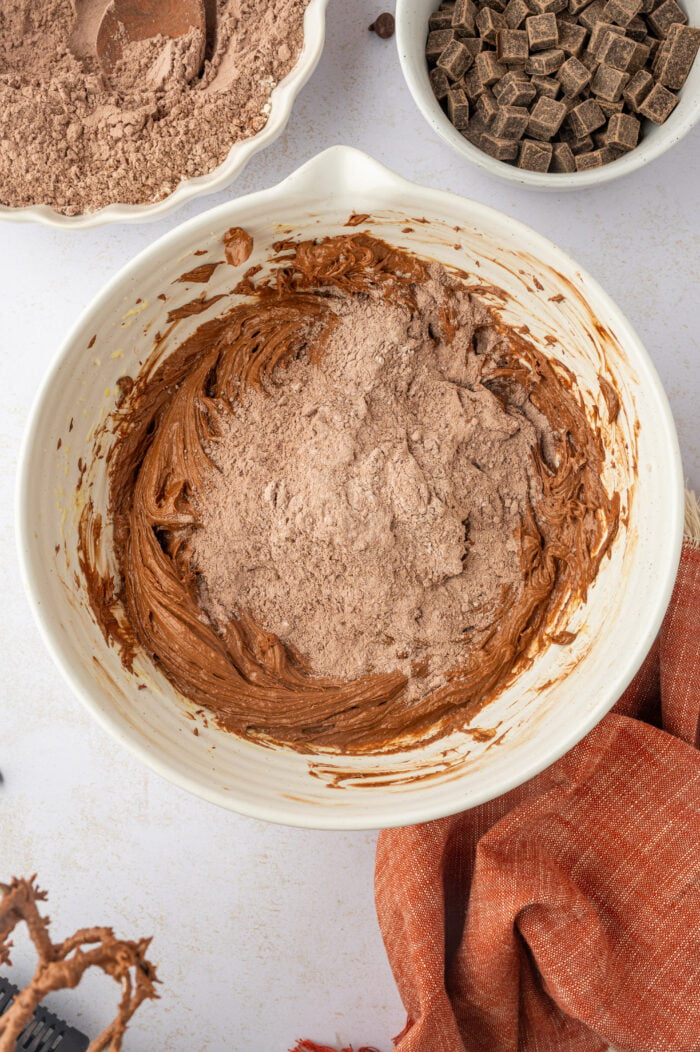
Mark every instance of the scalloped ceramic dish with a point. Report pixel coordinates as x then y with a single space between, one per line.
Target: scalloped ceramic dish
281 102
411 31
553 703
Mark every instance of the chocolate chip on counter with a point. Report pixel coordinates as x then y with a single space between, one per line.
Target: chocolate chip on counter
384 25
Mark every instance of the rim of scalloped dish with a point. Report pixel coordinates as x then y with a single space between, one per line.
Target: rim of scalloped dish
281 103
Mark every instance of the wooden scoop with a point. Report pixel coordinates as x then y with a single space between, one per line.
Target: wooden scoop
128 21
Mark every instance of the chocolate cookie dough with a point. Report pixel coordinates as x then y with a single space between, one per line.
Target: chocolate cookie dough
350 510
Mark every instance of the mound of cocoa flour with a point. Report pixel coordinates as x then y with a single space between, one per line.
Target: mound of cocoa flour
70 139
366 509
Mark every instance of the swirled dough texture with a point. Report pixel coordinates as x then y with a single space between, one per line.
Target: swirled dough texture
350 510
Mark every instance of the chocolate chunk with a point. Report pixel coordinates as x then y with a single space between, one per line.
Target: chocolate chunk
473 85
458 108
573 76
548 6
562 158
515 13
437 41
488 23
572 38
664 16
546 118
488 69
637 89
542 32
501 149
547 86
585 118
576 6
637 30
439 82
659 104
515 89
622 131
384 26
455 60
590 61
474 45
639 59
440 20
590 159
536 156
609 108
487 106
621 11
608 83
592 14
510 122
677 55
464 16
544 62
512 48
599 33
582 145
617 51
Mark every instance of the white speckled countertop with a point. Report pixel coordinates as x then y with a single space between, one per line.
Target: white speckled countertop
264 934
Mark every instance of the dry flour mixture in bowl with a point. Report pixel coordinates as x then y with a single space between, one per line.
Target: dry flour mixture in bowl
369 505
82 144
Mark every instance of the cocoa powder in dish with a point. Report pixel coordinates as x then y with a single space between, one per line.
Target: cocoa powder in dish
72 140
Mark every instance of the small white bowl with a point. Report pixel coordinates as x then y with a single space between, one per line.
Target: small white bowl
411 32
553 703
281 102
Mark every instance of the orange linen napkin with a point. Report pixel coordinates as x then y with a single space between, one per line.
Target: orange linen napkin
565 915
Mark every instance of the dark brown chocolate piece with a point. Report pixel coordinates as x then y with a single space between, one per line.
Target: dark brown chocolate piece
439 82
515 13
536 156
542 32
543 63
437 41
500 149
510 122
547 86
488 22
458 108
637 89
664 16
585 118
573 76
590 159
563 159
676 56
659 104
572 38
622 131
621 11
515 89
384 26
464 16
512 47
455 60
608 83
546 118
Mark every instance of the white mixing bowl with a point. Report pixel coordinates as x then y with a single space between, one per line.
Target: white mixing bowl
553 703
411 32
281 102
